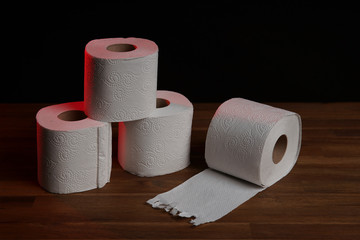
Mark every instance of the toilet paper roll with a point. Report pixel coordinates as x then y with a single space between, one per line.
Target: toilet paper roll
249 147
250 139
74 152
120 79
160 143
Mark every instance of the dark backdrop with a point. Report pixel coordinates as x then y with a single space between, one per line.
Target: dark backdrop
279 51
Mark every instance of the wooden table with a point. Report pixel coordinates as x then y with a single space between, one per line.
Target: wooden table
319 199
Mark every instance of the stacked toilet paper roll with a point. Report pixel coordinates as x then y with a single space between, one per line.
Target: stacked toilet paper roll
120 85
249 147
160 143
120 79
74 151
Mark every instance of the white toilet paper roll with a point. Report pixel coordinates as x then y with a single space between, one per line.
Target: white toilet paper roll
246 135
120 79
160 143
74 152
253 142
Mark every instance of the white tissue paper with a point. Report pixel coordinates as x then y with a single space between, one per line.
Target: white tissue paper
74 152
120 79
249 147
160 143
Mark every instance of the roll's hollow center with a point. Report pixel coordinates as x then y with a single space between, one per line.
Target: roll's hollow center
160 103
72 115
279 149
121 47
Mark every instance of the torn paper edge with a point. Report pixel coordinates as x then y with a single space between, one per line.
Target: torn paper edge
173 210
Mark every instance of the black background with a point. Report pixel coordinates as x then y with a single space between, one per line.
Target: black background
278 51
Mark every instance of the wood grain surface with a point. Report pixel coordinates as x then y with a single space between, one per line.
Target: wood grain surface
319 199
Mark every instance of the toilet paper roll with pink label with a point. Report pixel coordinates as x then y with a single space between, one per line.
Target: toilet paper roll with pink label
74 151
120 79
160 143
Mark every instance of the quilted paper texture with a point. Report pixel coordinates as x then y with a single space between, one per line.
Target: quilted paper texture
68 161
119 90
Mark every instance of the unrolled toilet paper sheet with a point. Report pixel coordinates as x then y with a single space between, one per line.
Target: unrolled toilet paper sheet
206 196
242 139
